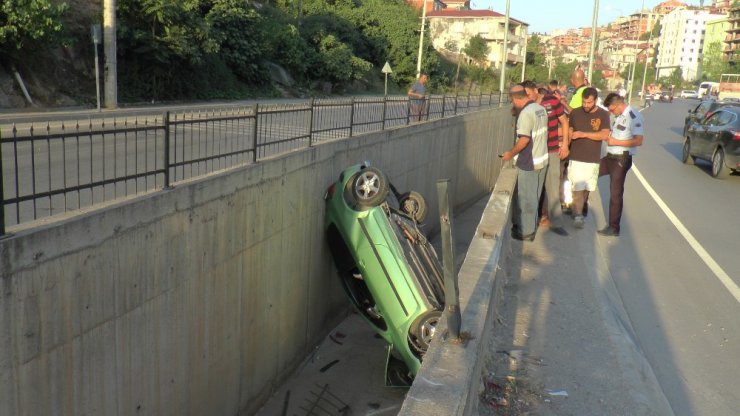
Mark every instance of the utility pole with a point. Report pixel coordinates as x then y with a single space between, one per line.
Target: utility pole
109 49
524 64
593 42
647 62
503 50
421 38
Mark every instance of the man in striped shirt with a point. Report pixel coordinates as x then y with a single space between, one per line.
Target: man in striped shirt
557 150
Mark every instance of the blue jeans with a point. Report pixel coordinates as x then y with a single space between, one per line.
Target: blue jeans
552 190
528 189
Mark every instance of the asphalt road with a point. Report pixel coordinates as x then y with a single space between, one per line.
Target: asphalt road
680 290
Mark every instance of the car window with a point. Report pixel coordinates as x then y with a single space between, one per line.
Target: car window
713 120
725 118
703 107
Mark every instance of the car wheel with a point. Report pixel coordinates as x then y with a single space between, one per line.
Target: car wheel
369 187
423 329
686 154
719 170
414 204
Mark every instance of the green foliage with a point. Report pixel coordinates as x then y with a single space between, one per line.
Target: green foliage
476 49
339 64
674 79
30 22
713 65
240 48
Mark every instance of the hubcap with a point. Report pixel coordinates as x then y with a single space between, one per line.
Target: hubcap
427 330
368 185
717 162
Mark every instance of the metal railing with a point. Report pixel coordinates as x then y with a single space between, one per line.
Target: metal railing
62 167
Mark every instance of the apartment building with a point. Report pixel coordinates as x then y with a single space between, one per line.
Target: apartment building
682 41
451 30
637 24
732 39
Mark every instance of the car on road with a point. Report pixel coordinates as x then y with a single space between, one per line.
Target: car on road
689 94
715 139
700 112
385 263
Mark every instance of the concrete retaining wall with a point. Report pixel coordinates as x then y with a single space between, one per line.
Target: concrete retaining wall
202 298
450 379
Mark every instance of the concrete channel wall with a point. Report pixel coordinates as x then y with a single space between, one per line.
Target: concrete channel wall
202 298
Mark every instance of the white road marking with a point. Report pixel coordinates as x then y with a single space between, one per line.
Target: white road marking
723 277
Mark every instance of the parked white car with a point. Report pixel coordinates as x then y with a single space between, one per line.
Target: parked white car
689 94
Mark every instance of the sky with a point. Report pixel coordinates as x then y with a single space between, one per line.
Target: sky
547 15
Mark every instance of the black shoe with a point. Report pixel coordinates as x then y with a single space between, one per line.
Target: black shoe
518 236
559 231
609 232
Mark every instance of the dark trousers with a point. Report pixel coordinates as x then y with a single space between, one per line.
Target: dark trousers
616 166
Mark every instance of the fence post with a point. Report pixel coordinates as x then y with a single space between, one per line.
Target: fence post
2 192
385 104
480 100
408 111
255 132
452 308
352 116
443 105
166 149
456 97
310 124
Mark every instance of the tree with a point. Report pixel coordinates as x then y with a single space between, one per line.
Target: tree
476 49
24 22
713 65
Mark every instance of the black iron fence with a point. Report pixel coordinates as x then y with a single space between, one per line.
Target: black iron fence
62 166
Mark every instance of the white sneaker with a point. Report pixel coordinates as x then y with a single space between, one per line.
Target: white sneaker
578 221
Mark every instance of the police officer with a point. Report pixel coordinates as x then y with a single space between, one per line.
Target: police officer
626 134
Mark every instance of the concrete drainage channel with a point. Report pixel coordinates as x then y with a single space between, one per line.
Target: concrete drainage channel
345 373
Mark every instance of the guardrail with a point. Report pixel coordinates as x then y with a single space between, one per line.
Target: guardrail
62 167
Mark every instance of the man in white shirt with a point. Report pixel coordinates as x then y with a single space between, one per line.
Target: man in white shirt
626 134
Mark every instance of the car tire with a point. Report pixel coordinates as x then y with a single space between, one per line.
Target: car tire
719 170
423 329
414 204
686 153
369 187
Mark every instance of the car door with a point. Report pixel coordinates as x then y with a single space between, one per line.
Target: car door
701 134
723 136
696 115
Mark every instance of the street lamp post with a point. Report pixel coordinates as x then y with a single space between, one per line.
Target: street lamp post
632 75
593 42
421 38
524 64
503 51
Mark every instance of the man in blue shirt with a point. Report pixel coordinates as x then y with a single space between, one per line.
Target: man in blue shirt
626 134
417 98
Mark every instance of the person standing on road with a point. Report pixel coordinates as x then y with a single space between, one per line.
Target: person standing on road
417 98
557 151
530 150
589 126
578 79
626 134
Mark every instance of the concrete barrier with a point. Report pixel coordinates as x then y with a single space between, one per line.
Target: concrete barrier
449 381
202 298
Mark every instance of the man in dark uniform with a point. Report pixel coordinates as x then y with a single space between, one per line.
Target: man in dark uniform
626 134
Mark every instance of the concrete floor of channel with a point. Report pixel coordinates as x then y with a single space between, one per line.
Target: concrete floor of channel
345 373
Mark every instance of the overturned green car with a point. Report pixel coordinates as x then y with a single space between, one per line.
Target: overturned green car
389 270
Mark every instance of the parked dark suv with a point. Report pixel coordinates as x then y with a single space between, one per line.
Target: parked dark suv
700 112
716 139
